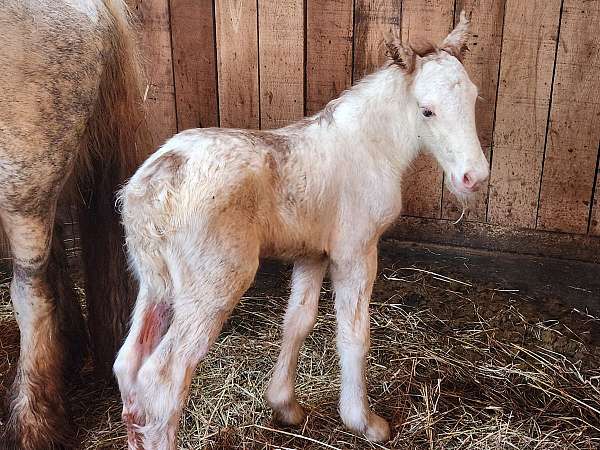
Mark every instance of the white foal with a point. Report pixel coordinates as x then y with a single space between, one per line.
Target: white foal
201 211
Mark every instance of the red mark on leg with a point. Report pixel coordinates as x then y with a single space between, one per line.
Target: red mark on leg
156 322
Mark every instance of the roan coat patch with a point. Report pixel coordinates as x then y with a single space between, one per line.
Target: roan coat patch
71 131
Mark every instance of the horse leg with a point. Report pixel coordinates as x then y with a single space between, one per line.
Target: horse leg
172 331
353 280
299 320
37 415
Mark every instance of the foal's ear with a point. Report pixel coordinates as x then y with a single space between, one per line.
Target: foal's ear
456 42
400 55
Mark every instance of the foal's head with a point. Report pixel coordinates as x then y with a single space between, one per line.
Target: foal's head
443 99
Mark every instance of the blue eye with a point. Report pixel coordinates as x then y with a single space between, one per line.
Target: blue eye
427 113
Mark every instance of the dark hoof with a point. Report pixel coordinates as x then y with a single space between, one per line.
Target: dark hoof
13 437
291 415
38 423
8 440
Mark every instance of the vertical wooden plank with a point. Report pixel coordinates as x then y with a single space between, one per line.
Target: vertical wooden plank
574 128
372 18
528 50
237 61
281 55
482 62
594 225
328 51
194 63
429 20
155 45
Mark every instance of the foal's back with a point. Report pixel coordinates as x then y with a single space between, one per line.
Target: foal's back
215 178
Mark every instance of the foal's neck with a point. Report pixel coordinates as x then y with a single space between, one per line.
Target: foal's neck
375 117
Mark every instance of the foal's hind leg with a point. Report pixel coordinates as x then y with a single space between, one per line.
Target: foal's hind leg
172 331
37 415
299 320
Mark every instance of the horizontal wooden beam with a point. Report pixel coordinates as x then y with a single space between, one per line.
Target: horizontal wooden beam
497 238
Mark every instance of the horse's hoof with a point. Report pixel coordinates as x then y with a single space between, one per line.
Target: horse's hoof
8 438
377 430
289 414
11 440
28 430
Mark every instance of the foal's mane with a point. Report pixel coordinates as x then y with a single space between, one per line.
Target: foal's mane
421 48
424 48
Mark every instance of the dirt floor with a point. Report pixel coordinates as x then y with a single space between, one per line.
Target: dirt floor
469 350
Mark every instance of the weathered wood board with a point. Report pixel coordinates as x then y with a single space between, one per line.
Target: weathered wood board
573 134
482 63
373 18
429 20
155 45
194 64
281 56
329 33
528 51
236 23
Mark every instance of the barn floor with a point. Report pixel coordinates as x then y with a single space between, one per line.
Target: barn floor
469 350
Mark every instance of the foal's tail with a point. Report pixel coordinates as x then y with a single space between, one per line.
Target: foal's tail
116 141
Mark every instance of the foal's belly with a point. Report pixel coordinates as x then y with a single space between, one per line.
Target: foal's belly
290 252
291 242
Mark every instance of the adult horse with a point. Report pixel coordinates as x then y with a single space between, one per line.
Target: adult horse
71 130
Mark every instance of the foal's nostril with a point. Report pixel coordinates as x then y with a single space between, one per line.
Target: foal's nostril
472 181
469 180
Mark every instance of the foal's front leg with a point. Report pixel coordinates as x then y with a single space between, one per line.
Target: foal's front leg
299 320
353 277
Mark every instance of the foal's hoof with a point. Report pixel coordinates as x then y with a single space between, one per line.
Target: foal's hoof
377 430
289 414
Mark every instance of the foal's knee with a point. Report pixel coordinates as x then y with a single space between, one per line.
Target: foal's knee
300 319
124 369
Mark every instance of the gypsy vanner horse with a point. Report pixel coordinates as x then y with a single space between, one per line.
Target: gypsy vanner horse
71 131
202 210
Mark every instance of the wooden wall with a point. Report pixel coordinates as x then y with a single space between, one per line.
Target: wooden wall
265 63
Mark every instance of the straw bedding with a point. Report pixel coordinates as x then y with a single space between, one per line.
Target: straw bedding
453 364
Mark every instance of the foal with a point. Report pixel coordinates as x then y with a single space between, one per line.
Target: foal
205 207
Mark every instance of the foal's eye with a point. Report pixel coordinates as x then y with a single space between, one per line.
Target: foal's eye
427 112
